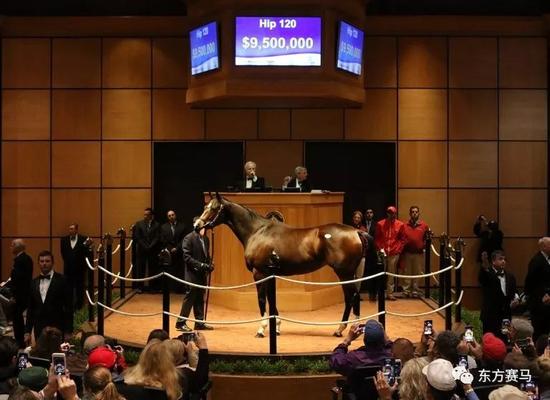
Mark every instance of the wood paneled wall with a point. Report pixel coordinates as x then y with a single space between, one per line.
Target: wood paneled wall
468 113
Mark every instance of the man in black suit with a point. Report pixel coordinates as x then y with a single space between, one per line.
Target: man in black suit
147 238
300 180
19 284
197 267
499 294
537 288
50 301
73 252
171 235
251 181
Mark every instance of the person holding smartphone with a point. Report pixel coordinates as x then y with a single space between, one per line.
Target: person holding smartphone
498 287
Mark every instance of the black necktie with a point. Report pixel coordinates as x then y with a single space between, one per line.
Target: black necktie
48 277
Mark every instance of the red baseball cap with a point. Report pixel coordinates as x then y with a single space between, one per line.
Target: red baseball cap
391 209
102 356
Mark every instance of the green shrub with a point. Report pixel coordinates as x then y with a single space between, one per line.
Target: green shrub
266 366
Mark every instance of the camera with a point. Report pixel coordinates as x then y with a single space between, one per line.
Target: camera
428 327
469 333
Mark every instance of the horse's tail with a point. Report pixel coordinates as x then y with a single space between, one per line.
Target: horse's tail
364 237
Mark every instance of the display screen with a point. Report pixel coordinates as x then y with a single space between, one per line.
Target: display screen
278 41
350 48
204 48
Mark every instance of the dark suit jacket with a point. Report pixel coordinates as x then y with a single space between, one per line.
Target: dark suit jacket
259 185
56 310
195 257
496 306
171 240
21 278
147 240
74 260
305 185
371 251
537 283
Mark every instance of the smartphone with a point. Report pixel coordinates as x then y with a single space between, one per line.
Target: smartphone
505 327
397 368
463 361
469 333
388 370
185 337
22 360
532 390
59 363
360 328
428 327
523 343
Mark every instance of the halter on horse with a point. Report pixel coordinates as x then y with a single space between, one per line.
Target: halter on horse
298 250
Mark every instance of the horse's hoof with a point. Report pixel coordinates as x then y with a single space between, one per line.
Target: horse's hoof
259 335
337 334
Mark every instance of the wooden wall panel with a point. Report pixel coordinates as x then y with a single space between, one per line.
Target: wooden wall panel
470 268
376 120
422 62
531 156
472 62
522 62
26 164
432 204
231 124
170 65
123 207
76 63
473 164
274 124
422 114
81 206
25 212
473 114
422 164
26 114
173 119
76 114
317 124
33 247
275 159
523 212
518 254
381 62
126 63
76 164
126 114
523 115
26 63
126 164
466 204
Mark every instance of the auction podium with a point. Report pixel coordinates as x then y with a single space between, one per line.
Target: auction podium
300 210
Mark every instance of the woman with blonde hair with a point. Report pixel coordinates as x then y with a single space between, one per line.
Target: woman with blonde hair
98 384
155 368
413 384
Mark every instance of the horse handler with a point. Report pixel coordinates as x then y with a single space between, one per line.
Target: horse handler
198 265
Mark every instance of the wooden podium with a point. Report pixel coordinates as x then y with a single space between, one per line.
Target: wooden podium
299 210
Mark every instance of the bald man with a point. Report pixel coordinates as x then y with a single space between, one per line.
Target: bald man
537 288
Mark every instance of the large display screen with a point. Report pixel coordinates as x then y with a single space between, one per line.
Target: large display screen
204 48
350 48
278 41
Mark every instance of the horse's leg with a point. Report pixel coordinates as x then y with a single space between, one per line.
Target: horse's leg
356 301
261 289
348 289
271 300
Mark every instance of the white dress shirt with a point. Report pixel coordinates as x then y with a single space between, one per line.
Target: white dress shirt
44 286
73 241
502 279
251 181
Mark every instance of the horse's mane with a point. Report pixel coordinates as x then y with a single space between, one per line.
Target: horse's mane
250 212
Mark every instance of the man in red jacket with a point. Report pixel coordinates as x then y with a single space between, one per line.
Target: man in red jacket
413 252
390 238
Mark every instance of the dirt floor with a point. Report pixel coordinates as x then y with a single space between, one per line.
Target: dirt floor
294 338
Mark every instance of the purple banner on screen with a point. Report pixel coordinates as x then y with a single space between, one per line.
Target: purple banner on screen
278 41
350 48
204 48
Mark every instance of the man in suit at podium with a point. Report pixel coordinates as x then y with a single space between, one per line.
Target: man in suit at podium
73 252
251 181
300 180
171 235
197 267
50 301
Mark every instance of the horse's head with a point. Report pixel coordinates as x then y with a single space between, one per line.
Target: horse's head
210 217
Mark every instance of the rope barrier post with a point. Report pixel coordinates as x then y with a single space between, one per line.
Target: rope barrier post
109 267
427 262
272 300
165 260
459 246
122 269
100 290
442 249
134 258
381 286
90 283
448 276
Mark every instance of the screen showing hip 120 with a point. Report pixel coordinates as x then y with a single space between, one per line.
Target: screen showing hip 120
278 41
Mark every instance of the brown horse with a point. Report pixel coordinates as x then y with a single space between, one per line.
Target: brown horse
297 250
